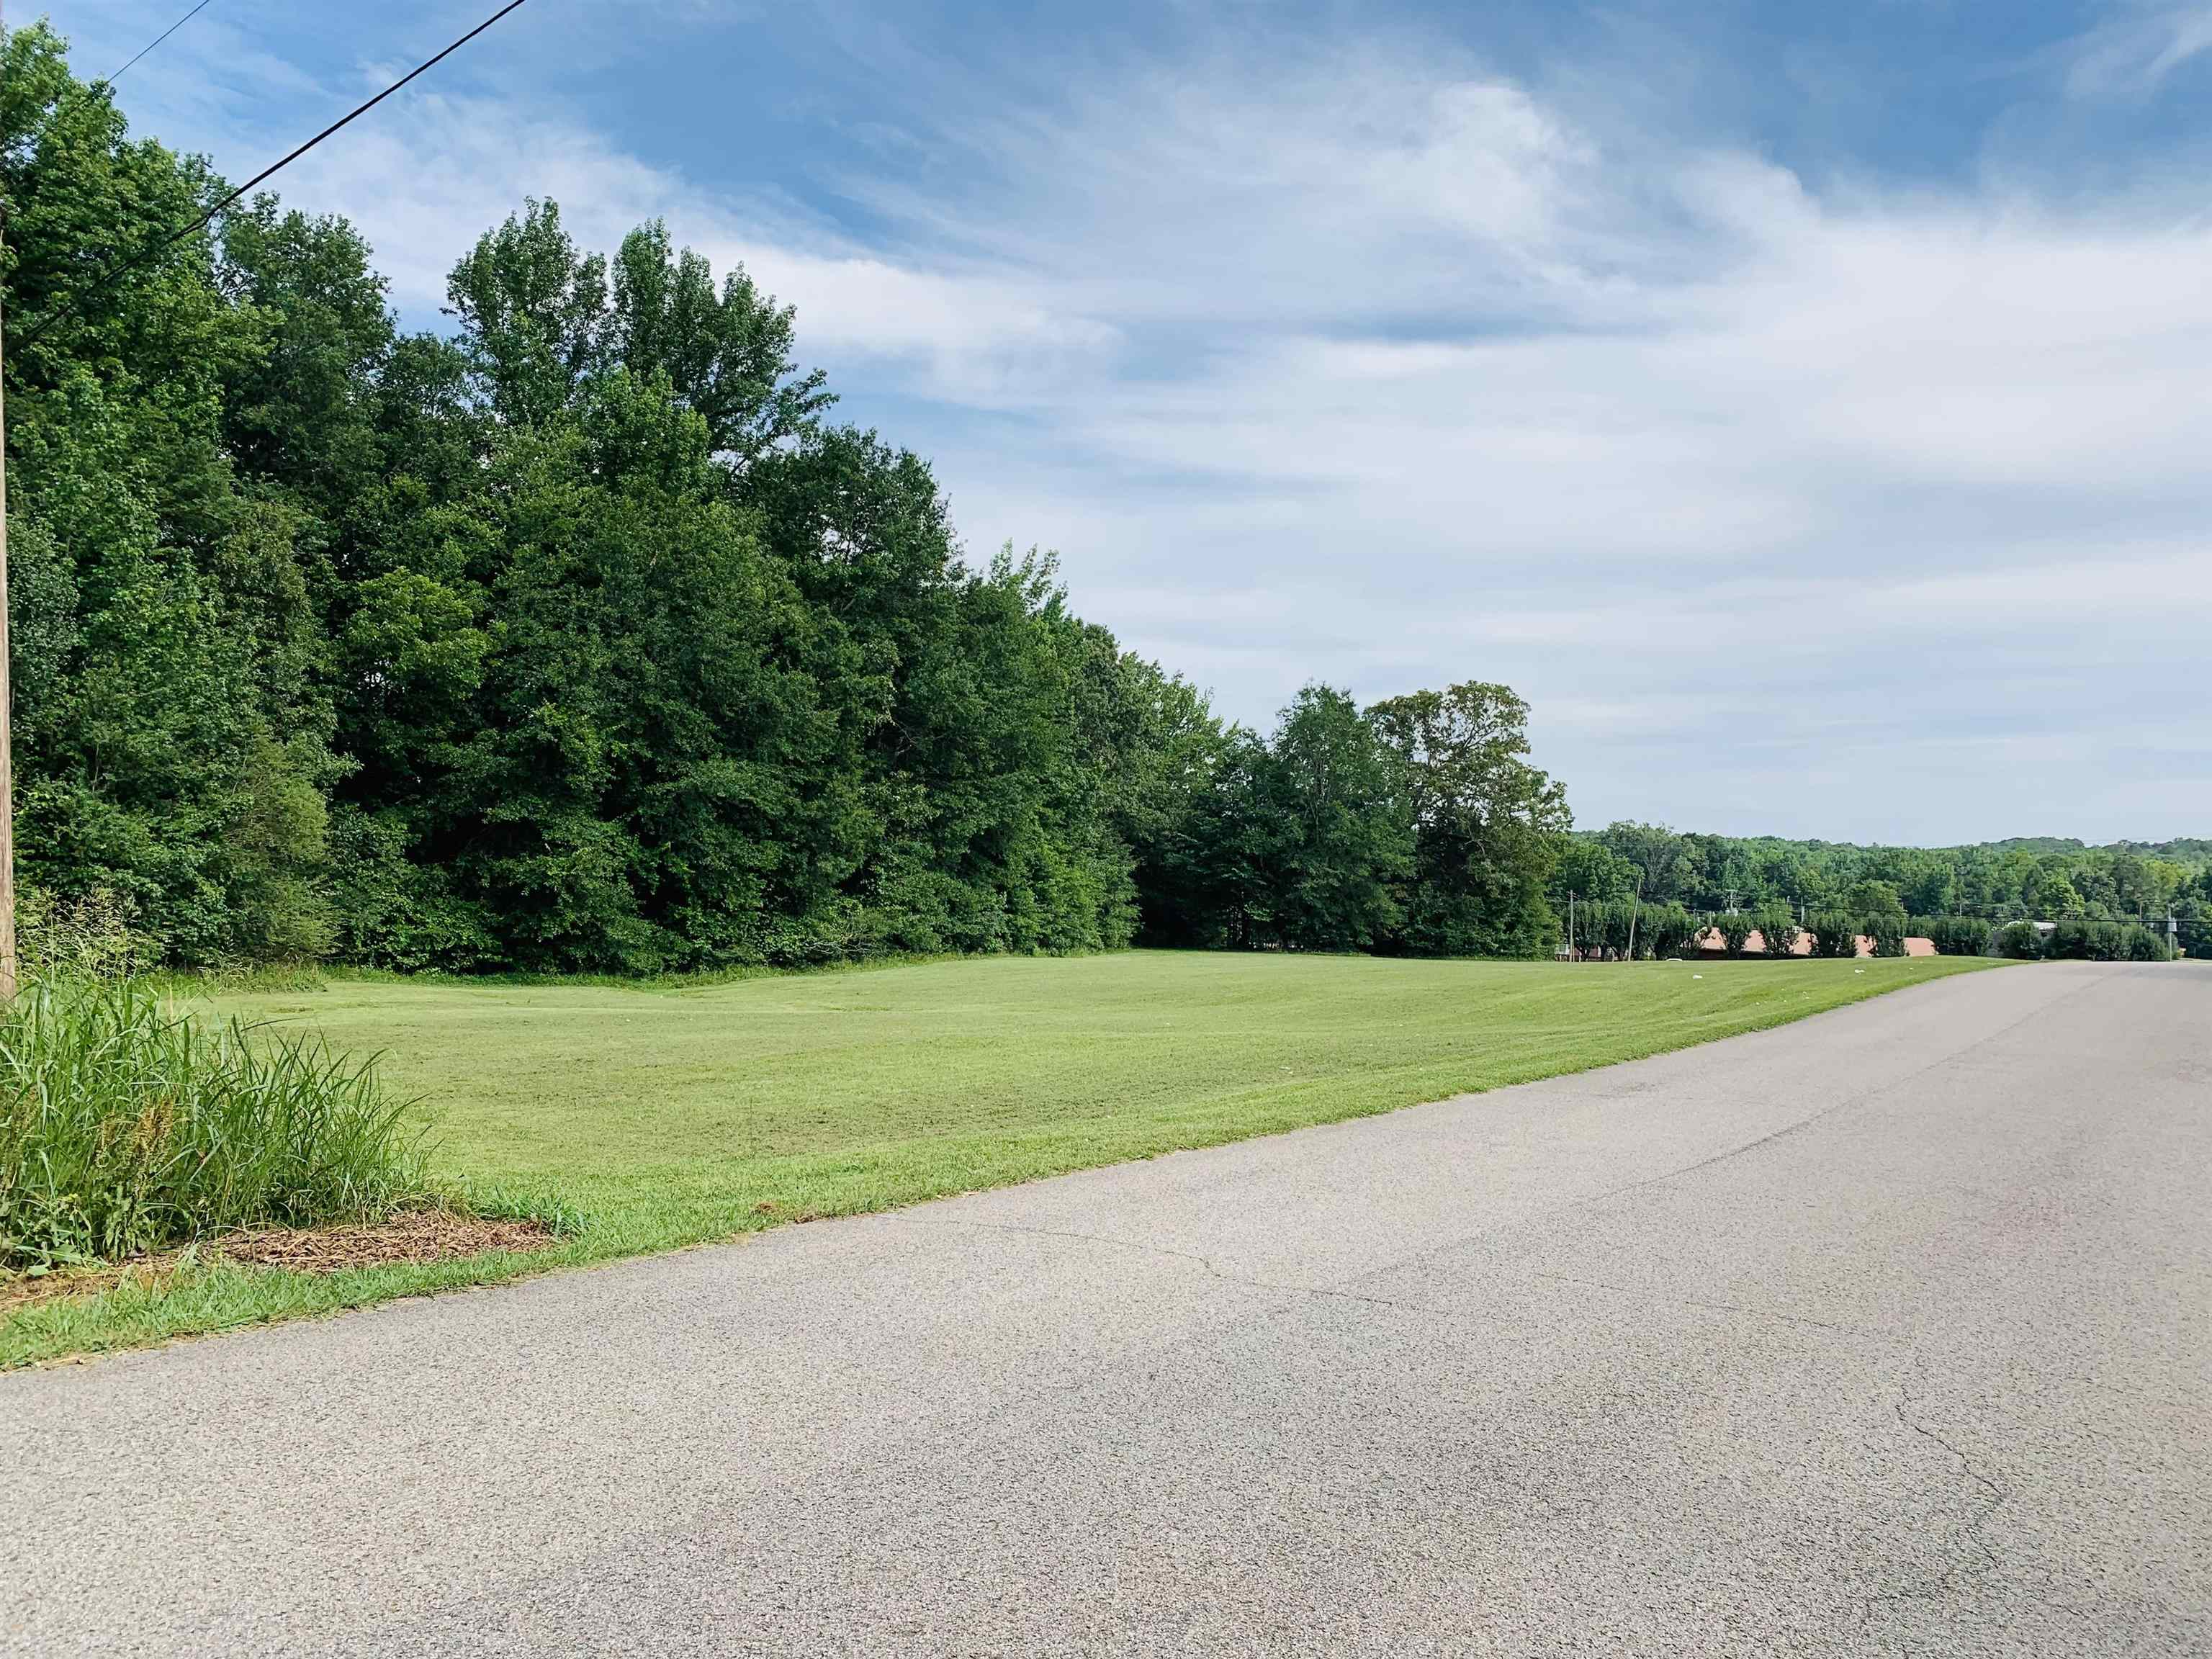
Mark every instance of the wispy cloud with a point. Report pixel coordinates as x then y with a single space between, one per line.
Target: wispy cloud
2132 53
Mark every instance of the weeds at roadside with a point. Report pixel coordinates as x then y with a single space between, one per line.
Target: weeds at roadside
128 1128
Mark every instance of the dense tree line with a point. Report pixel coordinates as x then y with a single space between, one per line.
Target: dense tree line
583 637
1997 882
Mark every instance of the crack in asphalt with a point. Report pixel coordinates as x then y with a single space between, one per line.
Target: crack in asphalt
1649 1295
1212 1268
1990 1497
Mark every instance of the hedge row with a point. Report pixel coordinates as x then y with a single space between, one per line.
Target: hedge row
1668 930
2078 940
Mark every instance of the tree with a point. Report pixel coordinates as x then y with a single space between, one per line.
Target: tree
1336 798
533 312
301 413
2051 894
728 357
1665 930
1931 885
633 806
1655 850
1589 871
1204 874
171 746
1869 900
1487 824
1603 928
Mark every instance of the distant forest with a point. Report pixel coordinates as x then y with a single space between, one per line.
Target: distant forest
2034 878
583 637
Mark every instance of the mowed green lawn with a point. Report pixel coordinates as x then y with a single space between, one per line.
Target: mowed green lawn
663 1116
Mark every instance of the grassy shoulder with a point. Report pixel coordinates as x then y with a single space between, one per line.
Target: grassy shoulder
662 1116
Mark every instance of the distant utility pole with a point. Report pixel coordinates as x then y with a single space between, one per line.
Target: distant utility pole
1634 910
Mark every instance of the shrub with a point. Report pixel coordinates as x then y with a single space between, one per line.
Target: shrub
2019 941
2068 941
1953 936
2142 944
1777 930
1834 934
1887 929
2078 939
1666 930
125 1127
1734 930
1601 928
2082 939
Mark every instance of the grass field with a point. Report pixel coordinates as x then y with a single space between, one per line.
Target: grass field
660 1117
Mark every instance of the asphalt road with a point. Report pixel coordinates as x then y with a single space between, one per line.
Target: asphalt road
1887 1332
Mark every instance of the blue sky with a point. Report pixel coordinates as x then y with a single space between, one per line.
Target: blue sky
1806 408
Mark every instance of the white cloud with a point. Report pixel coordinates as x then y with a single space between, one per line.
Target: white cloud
423 191
1327 185
1740 485
2130 54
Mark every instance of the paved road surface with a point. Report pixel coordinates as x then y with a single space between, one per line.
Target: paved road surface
1887 1332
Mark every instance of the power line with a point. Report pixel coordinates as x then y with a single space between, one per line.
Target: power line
115 273
158 38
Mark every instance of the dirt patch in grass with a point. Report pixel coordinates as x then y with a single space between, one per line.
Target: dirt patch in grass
21 1291
417 1236
414 1236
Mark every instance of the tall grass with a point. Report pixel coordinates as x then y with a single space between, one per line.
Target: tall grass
127 1126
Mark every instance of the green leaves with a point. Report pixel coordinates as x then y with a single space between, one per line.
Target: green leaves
126 1126
1488 825
727 356
1416 827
